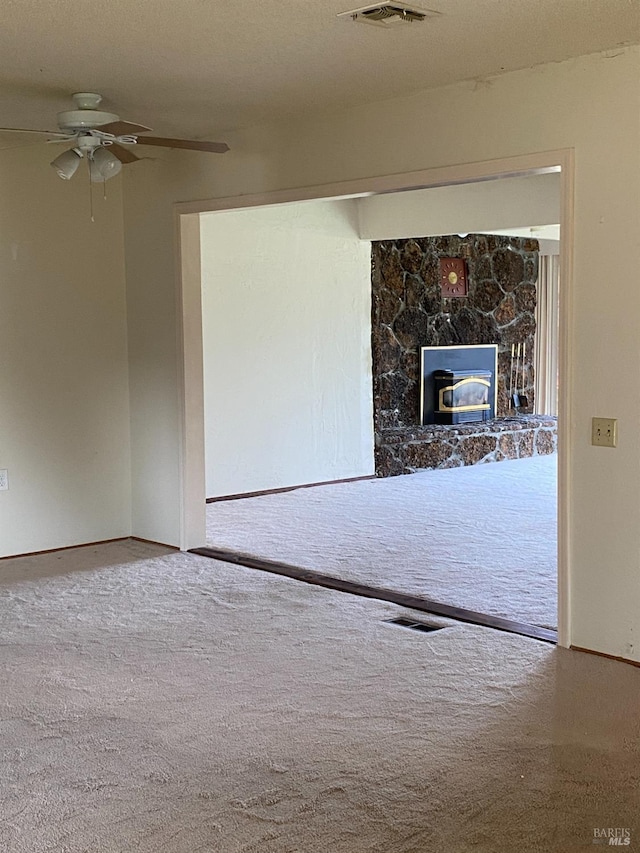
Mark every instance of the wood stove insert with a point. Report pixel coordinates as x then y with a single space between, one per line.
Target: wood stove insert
458 384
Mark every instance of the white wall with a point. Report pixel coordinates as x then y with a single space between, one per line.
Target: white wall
469 208
286 308
64 407
591 104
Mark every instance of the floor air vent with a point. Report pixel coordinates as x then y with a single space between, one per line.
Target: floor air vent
415 626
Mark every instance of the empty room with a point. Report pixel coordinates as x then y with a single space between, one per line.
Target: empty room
155 699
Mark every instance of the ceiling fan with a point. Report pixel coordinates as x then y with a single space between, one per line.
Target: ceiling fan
104 139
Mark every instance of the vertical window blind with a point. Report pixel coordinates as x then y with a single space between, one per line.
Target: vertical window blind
546 360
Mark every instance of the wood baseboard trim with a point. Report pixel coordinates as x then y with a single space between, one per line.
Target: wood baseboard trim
283 489
153 542
414 602
604 655
65 548
88 545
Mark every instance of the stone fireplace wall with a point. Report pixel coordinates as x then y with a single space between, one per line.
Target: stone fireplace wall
409 312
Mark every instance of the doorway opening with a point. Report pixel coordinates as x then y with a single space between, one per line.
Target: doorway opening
186 222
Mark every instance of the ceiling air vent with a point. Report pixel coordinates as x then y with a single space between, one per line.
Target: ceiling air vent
388 14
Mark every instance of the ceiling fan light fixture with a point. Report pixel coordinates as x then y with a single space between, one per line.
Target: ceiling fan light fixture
104 140
66 164
103 165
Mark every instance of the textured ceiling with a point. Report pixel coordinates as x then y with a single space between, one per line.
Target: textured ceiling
202 67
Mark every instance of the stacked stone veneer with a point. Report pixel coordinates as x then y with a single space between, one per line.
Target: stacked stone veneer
409 312
405 451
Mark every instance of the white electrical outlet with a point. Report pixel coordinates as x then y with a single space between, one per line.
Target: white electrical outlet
604 432
4 479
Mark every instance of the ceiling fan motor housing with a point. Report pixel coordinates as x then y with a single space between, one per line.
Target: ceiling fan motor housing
87 115
84 119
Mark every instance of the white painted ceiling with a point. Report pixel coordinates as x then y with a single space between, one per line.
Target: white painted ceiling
202 67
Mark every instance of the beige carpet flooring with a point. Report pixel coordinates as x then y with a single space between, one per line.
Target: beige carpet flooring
160 702
482 537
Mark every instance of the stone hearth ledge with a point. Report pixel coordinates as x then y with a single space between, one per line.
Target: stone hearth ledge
405 450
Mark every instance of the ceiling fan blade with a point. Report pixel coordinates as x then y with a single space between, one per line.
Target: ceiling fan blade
191 144
27 130
123 154
122 128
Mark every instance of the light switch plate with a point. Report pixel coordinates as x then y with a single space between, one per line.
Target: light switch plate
4 479
604 432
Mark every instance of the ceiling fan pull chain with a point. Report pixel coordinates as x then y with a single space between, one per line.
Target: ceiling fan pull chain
90 190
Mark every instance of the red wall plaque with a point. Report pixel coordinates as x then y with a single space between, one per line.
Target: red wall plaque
453 277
